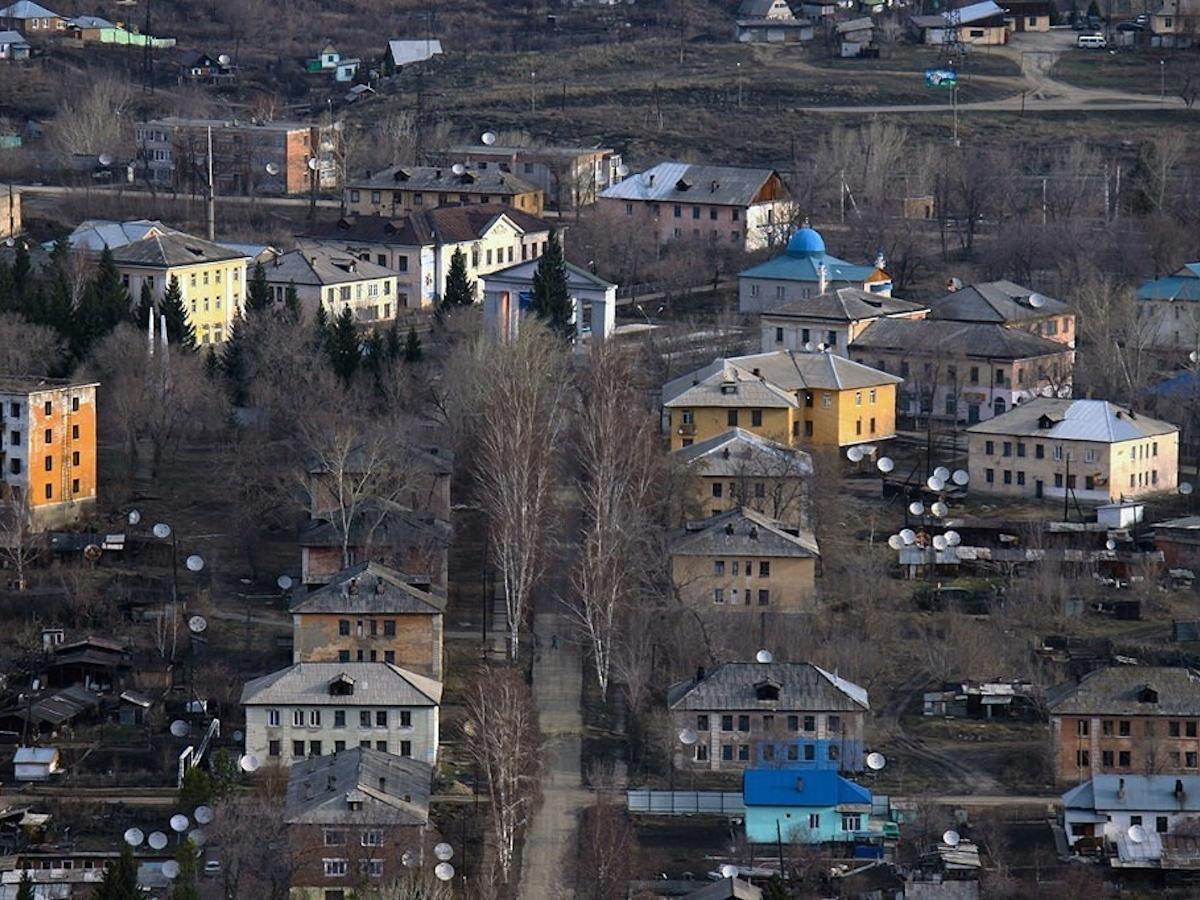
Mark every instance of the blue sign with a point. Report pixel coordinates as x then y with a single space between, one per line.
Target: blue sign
941 78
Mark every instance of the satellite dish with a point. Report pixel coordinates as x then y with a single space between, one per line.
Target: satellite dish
92 552
203 814
179 728
194 563
197 624
1185 488
458 169
953 538
934 483
284 582
876 761
443 851
223 59
728 871
197 836
908 536
162 530
821 346
325 146
179 823
170 869
237 737
312 163
960 477
917 508
408 859
808 347
1137 833
939 542
1110 544
272 168
885 464
489 138
854 454
1037 301
764 656
249 763
939 509
895 542
134 517
1193 356
158 840
941 472
106 159
134 837
951 838
444 871
687 737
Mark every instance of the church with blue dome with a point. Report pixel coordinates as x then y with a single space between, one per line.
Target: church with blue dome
805 270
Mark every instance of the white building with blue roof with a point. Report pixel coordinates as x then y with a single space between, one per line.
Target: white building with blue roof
805 271
1107 807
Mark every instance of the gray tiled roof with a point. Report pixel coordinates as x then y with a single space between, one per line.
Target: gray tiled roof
843 304
738 452
993 301
375 684
743 532
370 587
1116 691
802 686
442 179
172 249
938 337
394 790
681 182
444 225
1074 420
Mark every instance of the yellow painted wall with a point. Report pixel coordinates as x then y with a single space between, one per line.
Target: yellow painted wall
212 293
710 421
791 583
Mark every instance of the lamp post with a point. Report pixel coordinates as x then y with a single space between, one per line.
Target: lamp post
1162 81
533 90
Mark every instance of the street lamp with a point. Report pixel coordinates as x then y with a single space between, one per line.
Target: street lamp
532 91
1162 81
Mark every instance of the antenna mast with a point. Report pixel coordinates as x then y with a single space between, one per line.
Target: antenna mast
212 202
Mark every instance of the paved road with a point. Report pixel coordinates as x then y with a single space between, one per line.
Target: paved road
557 690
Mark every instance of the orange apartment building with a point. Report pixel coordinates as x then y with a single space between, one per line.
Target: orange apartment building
48 449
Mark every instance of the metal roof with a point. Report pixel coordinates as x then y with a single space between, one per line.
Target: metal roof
370 587
803 687
733 387
1074 420
1182 285
994 301
26 9
843 304
803 268
319 267
13 38
933 337
1119 691
808 787
90 22
443 180
433 227
577 276
96 234
38 755
743 532
166 251
1133 793
679 182
405 53
393 790
375 684
739 452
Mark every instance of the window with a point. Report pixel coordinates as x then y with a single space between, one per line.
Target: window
1124 727
760 490
14 466
1173 729
49 463
678 212
335 837
364 718
851 822
1135 820
701 723
1082 759
389 628
49 492
1189 729
405 718
810 723
827 400
731 418
272 718
1082 727
1039 451
1123 759
75 458
297 718
1160 824
695 212
14 410
718 595
743 752
1008 476
343 656
727 723
381 746
335 868
1106 759
764 598
49 437
381 718
272 748
314 718
727 753
48 408
371 839
339 718
389 656
344 627
1189 760
756 418
1008 449
989 448
298 749
814 820
764 569
793 723
989 475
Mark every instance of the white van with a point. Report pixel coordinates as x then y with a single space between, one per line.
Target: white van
1091 42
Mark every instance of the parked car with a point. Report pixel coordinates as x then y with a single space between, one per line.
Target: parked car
1130 26
212 867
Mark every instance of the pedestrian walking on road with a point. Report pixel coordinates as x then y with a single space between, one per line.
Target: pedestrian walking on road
554 642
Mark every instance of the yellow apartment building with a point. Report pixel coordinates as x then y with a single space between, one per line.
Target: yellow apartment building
799 399
212 278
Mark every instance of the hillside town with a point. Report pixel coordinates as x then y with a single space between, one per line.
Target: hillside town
602 450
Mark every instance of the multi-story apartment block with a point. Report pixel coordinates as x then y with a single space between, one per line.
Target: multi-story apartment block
568 176
335 281
400 190
48 449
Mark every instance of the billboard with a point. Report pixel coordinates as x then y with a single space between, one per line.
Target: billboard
941 78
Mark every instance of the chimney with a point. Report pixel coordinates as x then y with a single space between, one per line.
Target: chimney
312 261
331 783
382 783
822 278
437 173
754 532
699 674
650 179
880 260
1179 791
729 528
352 587
713 187
725 453
756 373
1121 789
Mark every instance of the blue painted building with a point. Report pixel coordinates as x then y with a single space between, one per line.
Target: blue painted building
809 807
804 271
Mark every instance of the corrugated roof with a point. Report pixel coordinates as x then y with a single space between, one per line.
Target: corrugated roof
404 53
743 532
679 182
739 452
444 225
90 22
755 9
26 9
96 234
1120 691
803 687
810 787
319 267
933 337
442 179
393 790
370 587
1074 420
576 275
843 304
170 250
790 267
994 301
13 38
375 683
733 387
1132 793
1182 285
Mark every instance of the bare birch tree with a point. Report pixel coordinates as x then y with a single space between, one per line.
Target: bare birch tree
19 545
502 738
521 422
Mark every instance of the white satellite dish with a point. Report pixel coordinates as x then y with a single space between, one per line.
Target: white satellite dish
895 542
106 159
960 477
408 859
237 737
203 814
1185 488
939 542
284 582
822 346
728 871
951 838
917 508
134 837
876 761
272 168
134 517
179 823
939 509
325 146
687 737
854 454
764 656
194 563
162 530
458 169
312 163
953 538
942 473
1037 301
179 728
443 851
170 869
444 871
197 624
489 138
249 763
622 170
197 836
1110 544
808 347
908 536
885 464
158 840
934 483
223 59
1137 834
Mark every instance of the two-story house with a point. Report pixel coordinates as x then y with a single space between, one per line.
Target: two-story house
1091 450
569 177
1169 311
741 560
778 714
831 320
797 398
401 190
315 708
1011 305
336 281
1104 808
1126 720
370 613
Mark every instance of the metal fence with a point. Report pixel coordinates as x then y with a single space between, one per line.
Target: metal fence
686 803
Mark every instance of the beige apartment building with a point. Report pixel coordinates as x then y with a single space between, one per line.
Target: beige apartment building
1092 450
408 189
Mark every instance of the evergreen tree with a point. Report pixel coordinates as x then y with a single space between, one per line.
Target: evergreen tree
233 361
7 292
196 788
460 290
395 347
111 294
179 329
22 272
185 887
291 302
120 878
412 346
25 888
343 347
551 296
258 294
145 305
321 328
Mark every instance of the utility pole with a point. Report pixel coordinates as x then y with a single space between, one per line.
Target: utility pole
212 200
533 90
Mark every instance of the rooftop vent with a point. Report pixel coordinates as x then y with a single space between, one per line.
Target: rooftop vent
729 528
713 187
352 587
